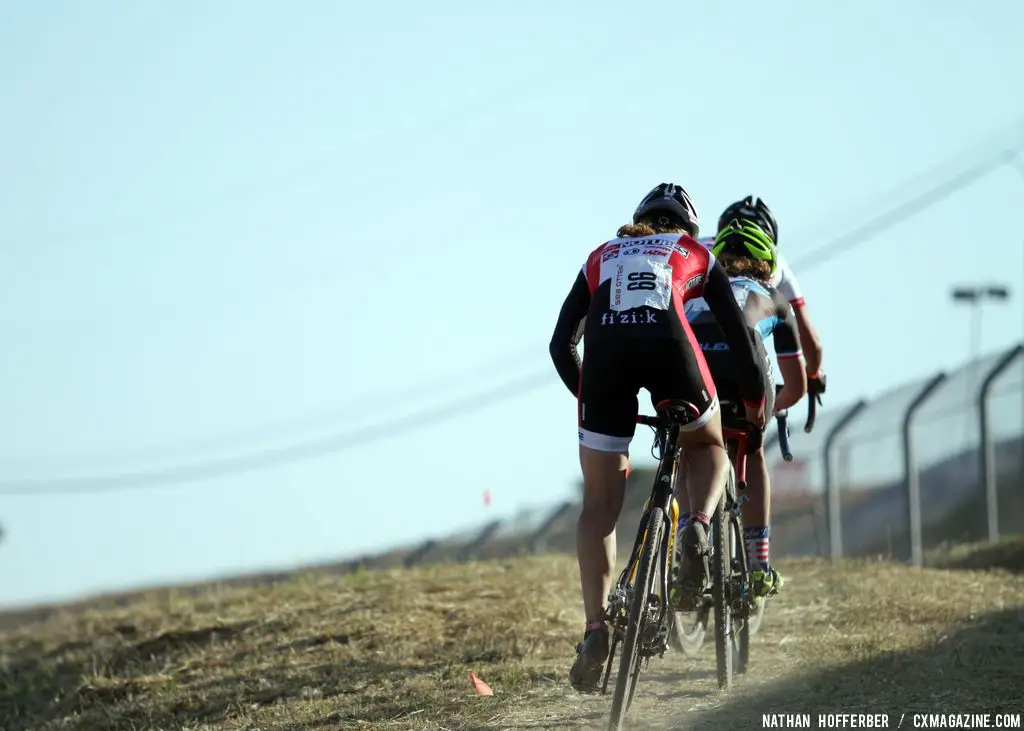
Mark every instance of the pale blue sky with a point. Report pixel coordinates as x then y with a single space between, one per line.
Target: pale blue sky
231 220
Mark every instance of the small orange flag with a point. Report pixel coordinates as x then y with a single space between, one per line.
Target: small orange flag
481 687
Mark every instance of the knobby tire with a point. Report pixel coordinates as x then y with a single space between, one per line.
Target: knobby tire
757 617
629 661
688 630
741 570
721 572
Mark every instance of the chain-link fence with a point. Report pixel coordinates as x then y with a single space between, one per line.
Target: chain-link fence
908 471
869 480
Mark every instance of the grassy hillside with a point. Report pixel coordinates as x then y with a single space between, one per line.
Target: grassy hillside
314 651
392 649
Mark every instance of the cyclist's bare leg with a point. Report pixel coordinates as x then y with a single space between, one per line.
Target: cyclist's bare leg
706 467
682 496
756 514
604 485
705 473
756 510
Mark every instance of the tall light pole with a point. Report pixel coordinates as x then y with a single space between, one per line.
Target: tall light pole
1018 165
975 296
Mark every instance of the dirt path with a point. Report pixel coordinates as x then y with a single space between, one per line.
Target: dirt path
866 638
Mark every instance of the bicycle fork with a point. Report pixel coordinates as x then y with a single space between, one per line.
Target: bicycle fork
620 597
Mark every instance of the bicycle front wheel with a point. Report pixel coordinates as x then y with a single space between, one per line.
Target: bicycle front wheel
629 662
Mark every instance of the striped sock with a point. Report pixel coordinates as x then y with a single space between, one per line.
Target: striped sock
756 539
703 518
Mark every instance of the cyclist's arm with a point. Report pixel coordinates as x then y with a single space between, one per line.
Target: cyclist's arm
786 338
789 288
568 332
718 294
809 339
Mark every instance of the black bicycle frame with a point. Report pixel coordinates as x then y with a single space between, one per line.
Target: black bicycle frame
661 495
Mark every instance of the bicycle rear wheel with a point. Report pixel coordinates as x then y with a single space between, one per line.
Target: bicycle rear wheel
688 629
629 662
740 625
721 573
757 616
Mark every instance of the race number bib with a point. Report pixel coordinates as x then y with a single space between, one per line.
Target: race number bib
638 281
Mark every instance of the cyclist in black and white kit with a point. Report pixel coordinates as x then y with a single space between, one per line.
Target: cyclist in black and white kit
749 257
783 279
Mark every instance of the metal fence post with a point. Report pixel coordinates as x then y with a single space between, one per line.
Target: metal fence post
987 444
420 553
538 541
835 528
910 475
466 552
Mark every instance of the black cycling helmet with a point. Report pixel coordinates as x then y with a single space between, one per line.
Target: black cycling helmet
752 209
673 199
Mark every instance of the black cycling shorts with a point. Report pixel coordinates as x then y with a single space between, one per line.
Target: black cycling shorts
615 369
726 375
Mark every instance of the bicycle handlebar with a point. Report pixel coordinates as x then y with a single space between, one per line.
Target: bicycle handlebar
812 412
781 419
815 388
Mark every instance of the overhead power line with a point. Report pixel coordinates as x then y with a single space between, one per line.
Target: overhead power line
209 468
909 208
320 447
327 420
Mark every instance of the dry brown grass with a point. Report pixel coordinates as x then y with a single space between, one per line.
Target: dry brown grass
393 649
883 638
373 650
1004 555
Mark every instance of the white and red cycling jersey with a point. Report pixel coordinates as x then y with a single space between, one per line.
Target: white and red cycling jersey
638 286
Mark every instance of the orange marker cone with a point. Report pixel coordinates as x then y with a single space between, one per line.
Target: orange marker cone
481 687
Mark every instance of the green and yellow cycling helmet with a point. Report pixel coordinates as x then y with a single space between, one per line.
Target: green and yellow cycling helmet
745 238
